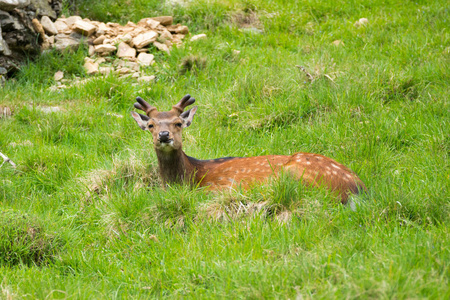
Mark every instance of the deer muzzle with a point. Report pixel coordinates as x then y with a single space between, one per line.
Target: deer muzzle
164 137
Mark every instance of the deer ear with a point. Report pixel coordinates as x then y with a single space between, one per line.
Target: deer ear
138 118
188 115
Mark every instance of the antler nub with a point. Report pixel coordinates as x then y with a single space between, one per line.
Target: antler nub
144 106
184 102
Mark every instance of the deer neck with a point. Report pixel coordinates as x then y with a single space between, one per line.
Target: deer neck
176 167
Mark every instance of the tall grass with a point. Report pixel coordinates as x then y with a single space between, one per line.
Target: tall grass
84 215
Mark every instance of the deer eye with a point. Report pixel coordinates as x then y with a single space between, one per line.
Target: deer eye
150 126
179 124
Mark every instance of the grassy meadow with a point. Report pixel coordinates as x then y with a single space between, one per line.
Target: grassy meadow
83 215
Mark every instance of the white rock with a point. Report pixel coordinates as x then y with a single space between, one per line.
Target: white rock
91 50
61 26
124 50
99 40
48 25
145 59
105 70
123 71
198 37
100 60
164 20
105 48
48 109
363 21
83 27
71 20
9 5
102 28
144 39
146 78
91 67
165 35
162 47
58 75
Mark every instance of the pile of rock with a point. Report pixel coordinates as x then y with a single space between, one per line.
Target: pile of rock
18 38
130 43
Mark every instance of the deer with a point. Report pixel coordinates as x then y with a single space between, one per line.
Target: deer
232 172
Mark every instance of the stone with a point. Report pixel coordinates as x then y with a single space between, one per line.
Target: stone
165 35
162 47
100 60
123 71
145 59
99 40
129 65
124 50
83 27
146 78
198 37
9 23
91 50
71 20
252 30
106 70
48 25
177 38
363 21
61 26
178 29
144 39
122 38
43 8
4 49
39 29
48 109
58 75
168 43
164 20
63 41
90 66
5 112
149 23
51 40
105 48
9 5
102 28
45 45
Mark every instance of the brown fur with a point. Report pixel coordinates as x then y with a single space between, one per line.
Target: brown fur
229 172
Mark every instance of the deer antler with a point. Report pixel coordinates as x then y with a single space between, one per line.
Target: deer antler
184 102
144 106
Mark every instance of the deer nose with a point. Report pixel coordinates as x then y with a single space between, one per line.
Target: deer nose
164 136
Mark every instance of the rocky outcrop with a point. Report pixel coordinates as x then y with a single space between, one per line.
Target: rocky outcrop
19 36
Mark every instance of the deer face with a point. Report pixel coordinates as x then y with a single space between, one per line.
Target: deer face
166 127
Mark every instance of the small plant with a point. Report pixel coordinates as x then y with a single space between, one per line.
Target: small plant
23 240
192 63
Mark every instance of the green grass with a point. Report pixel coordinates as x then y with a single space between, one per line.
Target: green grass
83 215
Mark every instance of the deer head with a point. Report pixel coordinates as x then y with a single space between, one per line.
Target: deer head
166 127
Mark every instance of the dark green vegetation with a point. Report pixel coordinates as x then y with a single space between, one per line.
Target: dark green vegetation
83 215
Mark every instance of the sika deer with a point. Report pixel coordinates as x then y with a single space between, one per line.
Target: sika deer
176 167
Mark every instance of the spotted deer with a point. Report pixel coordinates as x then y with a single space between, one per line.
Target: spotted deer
176 167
